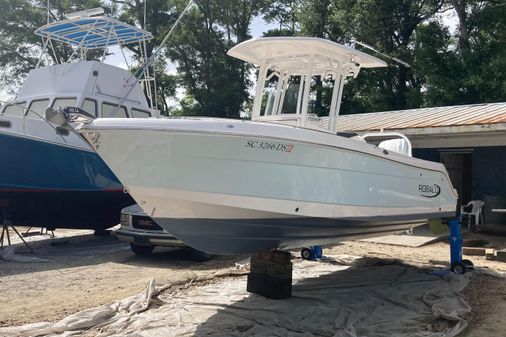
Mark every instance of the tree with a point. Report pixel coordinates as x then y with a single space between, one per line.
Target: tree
216 82
469 67
481 50
284 13
388 26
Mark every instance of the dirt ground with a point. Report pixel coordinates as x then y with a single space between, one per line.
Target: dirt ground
85 271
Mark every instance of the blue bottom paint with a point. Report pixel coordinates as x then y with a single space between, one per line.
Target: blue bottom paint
44 184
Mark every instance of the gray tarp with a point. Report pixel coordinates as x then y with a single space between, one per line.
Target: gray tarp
329 299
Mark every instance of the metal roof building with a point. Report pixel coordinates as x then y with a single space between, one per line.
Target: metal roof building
450 126
470 140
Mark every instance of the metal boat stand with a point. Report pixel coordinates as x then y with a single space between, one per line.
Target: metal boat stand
457 264
5 236
42 231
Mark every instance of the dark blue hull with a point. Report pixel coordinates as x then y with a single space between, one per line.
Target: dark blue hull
55 186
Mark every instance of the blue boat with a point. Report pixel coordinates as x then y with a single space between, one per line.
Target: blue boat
50 177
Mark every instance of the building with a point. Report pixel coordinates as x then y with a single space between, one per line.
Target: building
470 140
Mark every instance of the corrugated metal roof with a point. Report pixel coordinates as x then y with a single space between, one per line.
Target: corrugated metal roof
457 115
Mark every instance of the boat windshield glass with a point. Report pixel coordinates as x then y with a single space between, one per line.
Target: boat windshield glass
108 110
291 95
137 113
64 102
90 106
17 109
320 96
269 95
38 107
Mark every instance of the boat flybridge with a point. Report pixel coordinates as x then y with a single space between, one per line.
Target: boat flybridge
49 176
284 180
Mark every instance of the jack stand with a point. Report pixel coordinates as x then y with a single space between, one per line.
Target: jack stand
43 231
312 253
5 232
458 265
271 274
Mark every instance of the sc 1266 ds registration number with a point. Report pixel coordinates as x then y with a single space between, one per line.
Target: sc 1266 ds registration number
263 145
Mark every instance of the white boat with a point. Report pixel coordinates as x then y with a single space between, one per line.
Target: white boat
49 176
284 180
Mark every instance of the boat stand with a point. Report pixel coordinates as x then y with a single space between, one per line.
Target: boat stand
42 231
457 264
5 236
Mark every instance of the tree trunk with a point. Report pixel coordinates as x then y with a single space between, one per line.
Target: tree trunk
460 9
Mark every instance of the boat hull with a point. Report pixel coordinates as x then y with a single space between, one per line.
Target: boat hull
231 187
227 227
54 185
96 210
237 236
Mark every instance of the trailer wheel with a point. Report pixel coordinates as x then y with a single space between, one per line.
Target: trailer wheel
469 264
306 254
459 268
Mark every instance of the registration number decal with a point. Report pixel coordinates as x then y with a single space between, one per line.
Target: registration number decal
263 145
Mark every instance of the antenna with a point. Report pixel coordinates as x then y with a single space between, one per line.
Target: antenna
395 59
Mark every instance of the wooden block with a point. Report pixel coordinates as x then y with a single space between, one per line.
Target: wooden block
490 251
490 256
271 268
474 251
501 255
274 256
268 286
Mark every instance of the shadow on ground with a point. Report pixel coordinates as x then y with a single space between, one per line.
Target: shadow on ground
87 250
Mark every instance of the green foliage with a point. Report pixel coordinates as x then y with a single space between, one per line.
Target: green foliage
216 81
284 13
465 66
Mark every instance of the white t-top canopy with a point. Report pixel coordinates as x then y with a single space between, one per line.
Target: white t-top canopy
295 72
93 32
290 51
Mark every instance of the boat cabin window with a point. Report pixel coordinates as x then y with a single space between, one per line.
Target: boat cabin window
17 109
137 113
108 110
90 106
63 102
38 107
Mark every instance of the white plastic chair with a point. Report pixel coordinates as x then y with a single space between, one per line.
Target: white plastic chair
476 211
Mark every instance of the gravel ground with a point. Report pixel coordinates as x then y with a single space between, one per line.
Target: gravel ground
86 271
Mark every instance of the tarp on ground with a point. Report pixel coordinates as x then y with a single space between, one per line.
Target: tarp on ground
329 299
